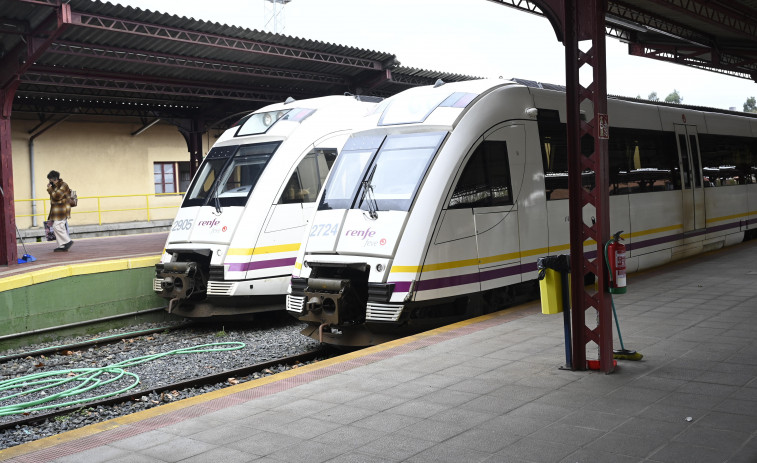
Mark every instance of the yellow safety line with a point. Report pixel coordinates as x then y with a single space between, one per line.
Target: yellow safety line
83 268
513 255
264 249
92 429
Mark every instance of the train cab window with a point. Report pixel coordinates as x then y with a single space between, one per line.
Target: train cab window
397 170
242 174
349 170
228 175
728 160
306 180
485 180
211 167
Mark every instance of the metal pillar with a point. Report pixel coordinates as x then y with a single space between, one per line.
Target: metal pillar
581 24
192 130
8 249
12 66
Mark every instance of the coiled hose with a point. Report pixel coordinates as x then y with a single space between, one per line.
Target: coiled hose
81 380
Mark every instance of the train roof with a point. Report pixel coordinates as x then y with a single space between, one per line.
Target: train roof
562 88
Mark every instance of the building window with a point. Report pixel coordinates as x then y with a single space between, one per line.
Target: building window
166 175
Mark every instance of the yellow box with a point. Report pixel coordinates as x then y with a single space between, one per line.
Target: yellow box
551 292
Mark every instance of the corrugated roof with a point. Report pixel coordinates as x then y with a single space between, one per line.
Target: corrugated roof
158 63
104 59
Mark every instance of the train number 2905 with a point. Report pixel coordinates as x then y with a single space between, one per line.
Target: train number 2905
185 224
324 229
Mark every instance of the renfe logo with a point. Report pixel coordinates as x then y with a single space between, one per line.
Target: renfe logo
360 233
208 223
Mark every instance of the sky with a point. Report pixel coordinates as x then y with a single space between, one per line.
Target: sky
471 37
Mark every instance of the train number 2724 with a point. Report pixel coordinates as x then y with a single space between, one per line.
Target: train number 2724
324 229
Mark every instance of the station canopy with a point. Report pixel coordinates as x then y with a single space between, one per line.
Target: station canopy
95 59
714 35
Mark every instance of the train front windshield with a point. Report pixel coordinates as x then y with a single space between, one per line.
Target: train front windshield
229 174
376 173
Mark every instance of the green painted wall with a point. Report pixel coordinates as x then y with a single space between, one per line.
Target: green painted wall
76 299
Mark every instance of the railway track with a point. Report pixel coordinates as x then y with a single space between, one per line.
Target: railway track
176 386
45 390
93 342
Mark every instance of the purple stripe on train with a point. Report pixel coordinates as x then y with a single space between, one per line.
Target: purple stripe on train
486 275
260 265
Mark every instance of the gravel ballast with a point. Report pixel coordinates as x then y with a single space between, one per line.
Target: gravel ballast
268 338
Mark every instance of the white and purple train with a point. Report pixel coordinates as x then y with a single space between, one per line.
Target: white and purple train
443 198
234 240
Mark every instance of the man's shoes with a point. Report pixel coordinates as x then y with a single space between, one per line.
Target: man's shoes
64 247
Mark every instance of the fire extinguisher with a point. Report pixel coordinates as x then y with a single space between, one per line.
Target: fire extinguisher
615 255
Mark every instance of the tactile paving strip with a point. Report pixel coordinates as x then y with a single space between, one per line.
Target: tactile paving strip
132 425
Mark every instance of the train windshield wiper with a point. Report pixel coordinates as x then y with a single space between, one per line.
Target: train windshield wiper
217 201
368 192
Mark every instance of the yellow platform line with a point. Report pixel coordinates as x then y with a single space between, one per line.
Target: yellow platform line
92 429
71 270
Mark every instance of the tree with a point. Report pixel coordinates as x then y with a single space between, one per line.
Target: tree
751 105
653 97
674 97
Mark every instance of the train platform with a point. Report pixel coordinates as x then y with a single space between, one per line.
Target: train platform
486 390
86 250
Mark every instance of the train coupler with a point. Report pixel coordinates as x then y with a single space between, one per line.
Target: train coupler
180 280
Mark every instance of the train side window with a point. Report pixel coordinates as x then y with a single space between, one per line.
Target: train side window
642 161
728 160
485 180
304 183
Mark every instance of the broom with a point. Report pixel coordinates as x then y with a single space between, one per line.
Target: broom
622 353
26 257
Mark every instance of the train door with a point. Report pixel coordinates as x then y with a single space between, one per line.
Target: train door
691 179
297 201
500 159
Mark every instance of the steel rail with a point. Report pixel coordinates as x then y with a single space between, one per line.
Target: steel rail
92 342
194 382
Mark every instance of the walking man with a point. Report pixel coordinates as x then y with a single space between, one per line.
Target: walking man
60 209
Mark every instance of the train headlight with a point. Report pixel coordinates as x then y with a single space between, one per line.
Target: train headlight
267 119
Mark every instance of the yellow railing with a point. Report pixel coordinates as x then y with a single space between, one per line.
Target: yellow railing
106 205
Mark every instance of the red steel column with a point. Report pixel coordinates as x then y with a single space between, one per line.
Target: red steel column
584 27
580 24
8 249
12 66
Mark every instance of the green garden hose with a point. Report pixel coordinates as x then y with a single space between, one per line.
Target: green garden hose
85 379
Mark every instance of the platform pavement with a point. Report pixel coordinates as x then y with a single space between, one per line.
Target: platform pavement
487 390
87 250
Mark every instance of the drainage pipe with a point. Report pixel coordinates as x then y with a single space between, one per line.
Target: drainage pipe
31 166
